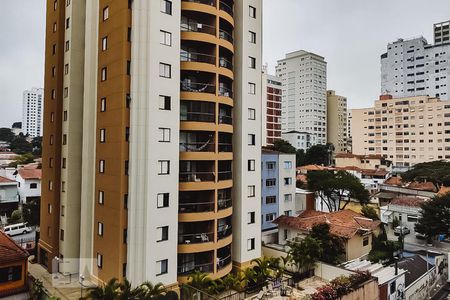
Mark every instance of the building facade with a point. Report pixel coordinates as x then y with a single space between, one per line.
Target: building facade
271 109
442 33
406 131
304 93
300 140
167 138
412 67
337 121
349 131
32 108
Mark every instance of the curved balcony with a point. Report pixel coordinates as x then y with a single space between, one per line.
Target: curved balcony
197 87
196 238
225 142
206 2
224 203
197 57
197 177
224 35
226 8
197 141
196 202
225 92
198 111
224 231
225 63
198 27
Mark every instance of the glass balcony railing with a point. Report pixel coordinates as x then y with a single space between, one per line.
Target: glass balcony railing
206 2
225 7
187 269
196 238
225 36
225 203
198 87
226 120
197 176
225 147
197 57
198 27
224 231
198 117
225 63
225 92
196 207
222 262
207 146
225 175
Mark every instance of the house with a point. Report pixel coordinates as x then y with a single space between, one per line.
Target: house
29 183
370 161
352 227
7 157
370 178
13 267
304 200
8 196
405 208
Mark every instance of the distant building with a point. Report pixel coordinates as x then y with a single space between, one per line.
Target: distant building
33 102
361 161
349 131
16 128
29 184
300 140
271 109
337 121
304 81
442 33
8 196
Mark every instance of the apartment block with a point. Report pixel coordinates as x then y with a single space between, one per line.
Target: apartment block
32 108
304 93
337 121
300 140
271 109
349 131
406 131
152 138
442 33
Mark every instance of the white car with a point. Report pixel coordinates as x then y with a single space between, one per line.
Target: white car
15 229
401 229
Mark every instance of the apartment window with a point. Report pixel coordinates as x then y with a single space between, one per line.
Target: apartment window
251 244
288 197
65 115
102 135
67 2
63 186
67 23
127 134
365 241
101 197
251 165
99 260
166 7
64 163
67 48
252 11
52 117
105 13
162 233
61 235
51 140
164 167
251 114
33 185
129 34
128 100
252 37
162 267
251 191
164 135
165 38
54 49
53 71
251 88
124 270
251 62
251 140
104 43
288 213
125 235
271 165
162 200
100 229
287 180
53 94
66 92
165 70
271 182
55 4
63 210
128 67
54 27
49 208
270 217
104 73
101 166
271 199
50 162
164 102
251 218
125 201
103 104
288 164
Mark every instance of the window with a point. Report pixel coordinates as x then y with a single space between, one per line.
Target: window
125 201
50 163
53 94
251 88
251 165
104 74
33 185
67 23
66 92
164 102
61 235
162 233
51 139
165 38
64 163
365 241
162 200
125 235
105 13
104 43
102 135
49 208
101 166
251 114
100 229
164 167
54 27
165 70
65 115
164 135
67 46
288 213
99 260
67 2
127 167
101 197
251 140
287 180
55 4
252 37
271 182
63 210
129 34
271 165
103 104
50 185
288 197
124 270
393 287
128 67
251 244
251 62
288 164
127 134
162 266
252 11
271 199
251 191
54 49
166 7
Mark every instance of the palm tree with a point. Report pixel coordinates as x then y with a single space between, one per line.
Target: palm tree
199 280
127 291
110 291
152 291
262 268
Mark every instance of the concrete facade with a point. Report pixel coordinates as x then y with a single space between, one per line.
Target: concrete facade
337 121
271 109
442 33
300 140
33 106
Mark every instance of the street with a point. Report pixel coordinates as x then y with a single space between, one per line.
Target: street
23 238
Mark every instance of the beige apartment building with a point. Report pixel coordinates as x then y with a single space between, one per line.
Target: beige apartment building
337 121
406 131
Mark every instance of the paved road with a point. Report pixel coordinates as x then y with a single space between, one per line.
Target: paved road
25 237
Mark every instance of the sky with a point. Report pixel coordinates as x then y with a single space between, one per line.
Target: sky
350 34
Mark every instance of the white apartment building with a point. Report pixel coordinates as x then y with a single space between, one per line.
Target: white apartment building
412 67
442 33
33 102
304 88
406 131
300 140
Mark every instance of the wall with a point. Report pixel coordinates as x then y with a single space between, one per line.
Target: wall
287 169
269 191
369 291
355 247
24 189
8 192
8 287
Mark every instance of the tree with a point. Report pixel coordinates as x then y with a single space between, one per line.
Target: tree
22 160
435 217
301 157
109 291
31 213
16 217
437 172
283 146
36 143
332 246
20 145
152 291
334 188
128 292
6 135
369 212
319 155
199 280
304 252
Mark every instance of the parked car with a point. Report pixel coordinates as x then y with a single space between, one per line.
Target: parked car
420 236
15 229
401 230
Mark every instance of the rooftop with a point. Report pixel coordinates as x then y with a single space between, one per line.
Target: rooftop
9 250
408 201
415 266
30 173
6 180
351 155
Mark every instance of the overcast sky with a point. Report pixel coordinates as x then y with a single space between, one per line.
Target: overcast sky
350 34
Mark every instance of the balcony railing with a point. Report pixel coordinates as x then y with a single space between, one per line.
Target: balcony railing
197 176
206 2
198 57
187 269
225 147
196 207
206 146
223 262
196 238
225 175
198 117
198 87
225 63
224 203
225 36
198 27
226 120
225 7
224 231
225 92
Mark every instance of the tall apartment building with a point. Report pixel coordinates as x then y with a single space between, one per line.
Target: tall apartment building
441 33
304 89
152 138
406 131
349 131
32 107
337 121
413 67
271 109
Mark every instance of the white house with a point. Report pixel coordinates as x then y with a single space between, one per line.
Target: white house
8 195
28 184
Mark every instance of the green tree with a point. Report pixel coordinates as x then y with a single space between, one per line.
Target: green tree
36 143
152 291
128 292
199 280
283 146
301 157
335 188
304 252
22 160
319 155
437 172
20 145
332 246
369 212
109 291
16 217
435 217
6 135
31 213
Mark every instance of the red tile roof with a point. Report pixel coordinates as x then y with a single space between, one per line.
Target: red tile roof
394 180
30 173
5 180
444 190
344 223
351 155
423 186
408 201
312 168
9 250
